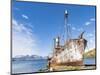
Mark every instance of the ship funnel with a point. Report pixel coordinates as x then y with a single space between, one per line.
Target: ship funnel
81 35
57 42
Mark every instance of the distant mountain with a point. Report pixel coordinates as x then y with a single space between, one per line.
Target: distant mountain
90 53
27 57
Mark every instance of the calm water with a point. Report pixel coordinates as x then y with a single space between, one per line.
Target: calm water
28 66
89 61
36 65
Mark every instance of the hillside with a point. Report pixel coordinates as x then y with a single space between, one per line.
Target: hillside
90 54
28 57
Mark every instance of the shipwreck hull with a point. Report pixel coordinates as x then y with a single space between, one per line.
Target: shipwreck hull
76 63
71 54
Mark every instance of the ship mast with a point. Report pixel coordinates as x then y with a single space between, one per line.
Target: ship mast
66 27
67 30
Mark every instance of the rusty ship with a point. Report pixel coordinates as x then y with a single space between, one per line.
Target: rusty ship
71 52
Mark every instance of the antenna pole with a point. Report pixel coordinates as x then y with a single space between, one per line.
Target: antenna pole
66 26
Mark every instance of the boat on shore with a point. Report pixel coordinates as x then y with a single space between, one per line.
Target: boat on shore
71 52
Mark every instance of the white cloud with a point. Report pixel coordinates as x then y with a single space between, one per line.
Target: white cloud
24 16
92 19
69 24
73 28
23 40
91 40
16 8
87 23
90 34
16 26
80 29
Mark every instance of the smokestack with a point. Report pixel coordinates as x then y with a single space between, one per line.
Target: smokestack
81 35
58 41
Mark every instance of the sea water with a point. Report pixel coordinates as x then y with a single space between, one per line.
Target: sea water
31 66
28 66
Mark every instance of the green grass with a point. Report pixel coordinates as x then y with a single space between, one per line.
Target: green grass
90 54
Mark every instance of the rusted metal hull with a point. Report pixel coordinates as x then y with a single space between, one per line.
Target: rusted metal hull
71 54
77 63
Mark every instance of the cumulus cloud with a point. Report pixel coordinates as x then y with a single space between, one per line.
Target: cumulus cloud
90 34
23 40
16 8
87 23
24 16
92 42
80 29
90 37
73 28
90 21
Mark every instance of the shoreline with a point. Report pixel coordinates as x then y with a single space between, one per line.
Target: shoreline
63 68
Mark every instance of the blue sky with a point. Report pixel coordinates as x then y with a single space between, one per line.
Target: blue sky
35 25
